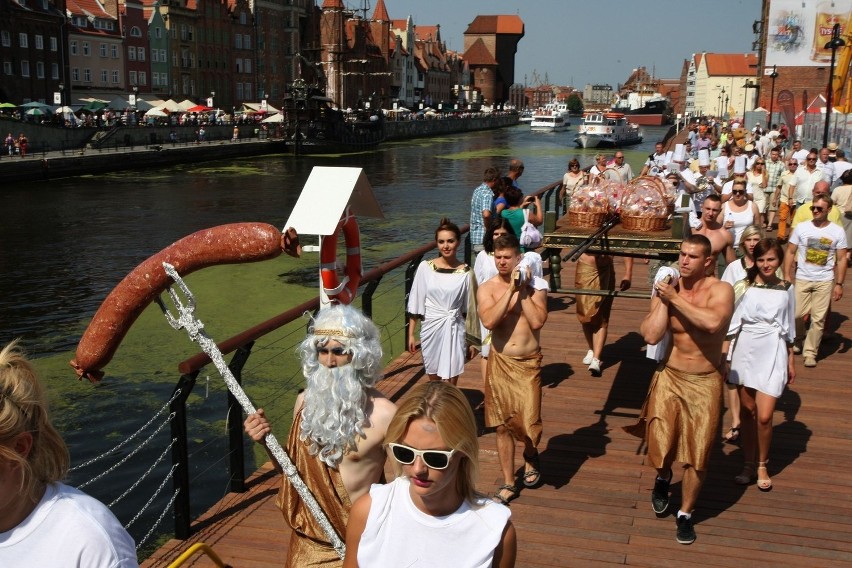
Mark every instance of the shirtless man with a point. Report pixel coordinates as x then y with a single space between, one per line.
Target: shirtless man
681 414
514 308
338 429
721 239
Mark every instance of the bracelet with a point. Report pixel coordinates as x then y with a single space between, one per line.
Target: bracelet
839 284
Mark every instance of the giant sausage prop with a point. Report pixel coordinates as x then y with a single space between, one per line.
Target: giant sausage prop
226 244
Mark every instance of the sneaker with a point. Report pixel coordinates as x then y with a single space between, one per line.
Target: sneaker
810 362
685 532
660 495
595 367
587 360
797 349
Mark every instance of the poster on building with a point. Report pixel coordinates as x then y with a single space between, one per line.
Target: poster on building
797 31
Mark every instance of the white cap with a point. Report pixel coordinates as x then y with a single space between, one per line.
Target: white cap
679 153
704 157
740 165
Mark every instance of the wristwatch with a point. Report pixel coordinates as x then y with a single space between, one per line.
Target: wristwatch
839 284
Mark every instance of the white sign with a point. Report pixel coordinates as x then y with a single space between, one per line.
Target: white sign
325 196
797 31
132 100
57 98
210 102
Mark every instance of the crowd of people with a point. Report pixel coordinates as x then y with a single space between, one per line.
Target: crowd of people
731 314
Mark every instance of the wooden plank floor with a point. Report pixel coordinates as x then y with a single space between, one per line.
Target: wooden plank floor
594 506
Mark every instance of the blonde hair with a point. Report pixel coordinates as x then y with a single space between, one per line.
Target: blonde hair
750 231
446 406
23 408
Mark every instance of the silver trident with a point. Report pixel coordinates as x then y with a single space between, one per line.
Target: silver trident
195 328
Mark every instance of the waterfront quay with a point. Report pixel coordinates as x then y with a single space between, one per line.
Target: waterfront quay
593 508
56 152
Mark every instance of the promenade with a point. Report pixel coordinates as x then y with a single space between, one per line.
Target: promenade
593 507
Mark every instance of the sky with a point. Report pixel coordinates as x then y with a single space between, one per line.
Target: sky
575 42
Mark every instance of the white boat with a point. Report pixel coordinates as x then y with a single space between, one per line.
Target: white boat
549 123
526 116
607 130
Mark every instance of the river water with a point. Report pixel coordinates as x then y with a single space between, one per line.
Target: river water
65 244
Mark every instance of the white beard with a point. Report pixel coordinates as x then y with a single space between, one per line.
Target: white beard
333 415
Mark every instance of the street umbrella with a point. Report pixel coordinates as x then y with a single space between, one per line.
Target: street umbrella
94 106
35 112
38 105
8 105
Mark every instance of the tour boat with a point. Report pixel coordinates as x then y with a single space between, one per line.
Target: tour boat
549 123
607 130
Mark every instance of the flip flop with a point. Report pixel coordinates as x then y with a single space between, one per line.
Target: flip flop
532 477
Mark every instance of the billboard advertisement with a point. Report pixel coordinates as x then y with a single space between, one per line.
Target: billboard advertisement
797 31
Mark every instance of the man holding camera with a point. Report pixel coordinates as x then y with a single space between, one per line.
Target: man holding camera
514 307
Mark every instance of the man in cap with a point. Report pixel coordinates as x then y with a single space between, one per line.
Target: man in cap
751 155
339 425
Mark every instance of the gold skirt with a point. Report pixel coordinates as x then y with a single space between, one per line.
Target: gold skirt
513 395
594 309
680 417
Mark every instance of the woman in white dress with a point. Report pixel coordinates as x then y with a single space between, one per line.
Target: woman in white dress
431 514
760 355
734 272
758 179
439 298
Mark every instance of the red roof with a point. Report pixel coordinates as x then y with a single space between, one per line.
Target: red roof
426 32
381 13
478 54
504 24
88 8
338 4
731 64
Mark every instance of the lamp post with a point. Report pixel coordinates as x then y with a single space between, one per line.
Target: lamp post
747 85
723 103
135 92
772 76
61 87
833 44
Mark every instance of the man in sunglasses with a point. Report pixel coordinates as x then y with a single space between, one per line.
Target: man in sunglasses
514 308
339 426
818 250
804 212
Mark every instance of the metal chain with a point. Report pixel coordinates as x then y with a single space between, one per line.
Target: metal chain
144 475
154 496
129 438
128 456
195 328
159 520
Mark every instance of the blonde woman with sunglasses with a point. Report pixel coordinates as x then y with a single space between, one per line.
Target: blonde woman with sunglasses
431 514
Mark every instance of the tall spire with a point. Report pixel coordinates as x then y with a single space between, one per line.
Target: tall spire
381 13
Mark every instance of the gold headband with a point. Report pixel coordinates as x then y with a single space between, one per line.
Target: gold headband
332 332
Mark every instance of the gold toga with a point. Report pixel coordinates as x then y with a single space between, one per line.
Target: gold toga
309 546
513 394
680 417
594 309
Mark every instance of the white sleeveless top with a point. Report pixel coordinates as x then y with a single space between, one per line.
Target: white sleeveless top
741 219
397 533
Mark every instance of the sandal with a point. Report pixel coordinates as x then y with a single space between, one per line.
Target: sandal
763 484
748 474
732 436
532 477
513 494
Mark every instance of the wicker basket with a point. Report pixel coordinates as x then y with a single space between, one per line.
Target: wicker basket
636 223
587 219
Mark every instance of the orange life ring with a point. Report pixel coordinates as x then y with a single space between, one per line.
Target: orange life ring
346 292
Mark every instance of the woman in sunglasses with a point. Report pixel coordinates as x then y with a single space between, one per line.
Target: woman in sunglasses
570 181
758 179
738 212
431 514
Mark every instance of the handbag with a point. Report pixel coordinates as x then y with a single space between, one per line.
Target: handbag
530 236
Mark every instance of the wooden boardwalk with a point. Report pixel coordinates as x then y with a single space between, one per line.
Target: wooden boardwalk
594 505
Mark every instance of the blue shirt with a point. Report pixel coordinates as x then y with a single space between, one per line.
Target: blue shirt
482 200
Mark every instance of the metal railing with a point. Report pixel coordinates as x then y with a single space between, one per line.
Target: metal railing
241 346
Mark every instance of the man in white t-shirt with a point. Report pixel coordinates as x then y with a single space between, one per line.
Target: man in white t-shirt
798 152
841 164
808 176
818 248
827 167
